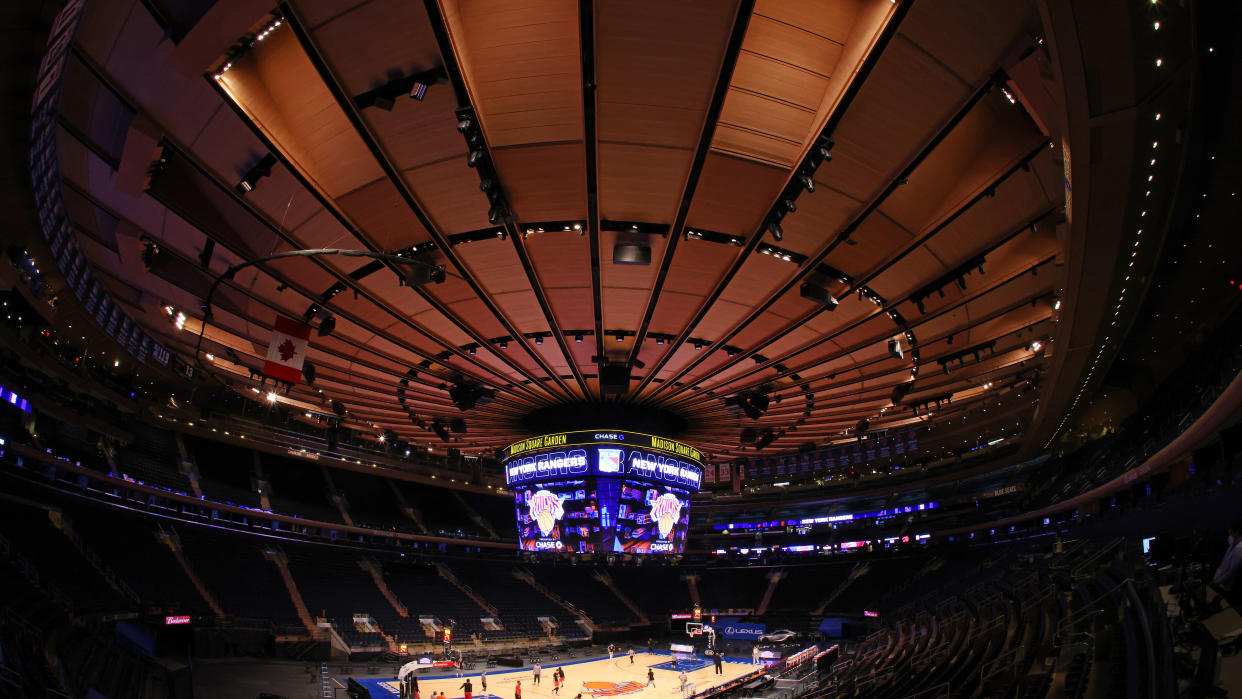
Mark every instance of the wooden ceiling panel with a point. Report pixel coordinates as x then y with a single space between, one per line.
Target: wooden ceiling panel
316 12
544 183
656 79
560 260
383 216
522 66
971 37
449 192
754 126
797 47
641 183
415 134
830 20
623 306
871 243
373 42
1018 200
912 271
906 98
494 265
976 152
820 216
734 195
278 88
574 310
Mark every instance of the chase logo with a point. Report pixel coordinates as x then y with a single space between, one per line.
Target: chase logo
611 689
610 436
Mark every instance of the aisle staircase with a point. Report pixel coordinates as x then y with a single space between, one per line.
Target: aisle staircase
608 582
692 584
448 574
410 512
278 557
528 577
377 575
773 578
859 570
170 539
475 517
62 523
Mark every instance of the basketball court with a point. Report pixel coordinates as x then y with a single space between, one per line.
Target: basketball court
591 678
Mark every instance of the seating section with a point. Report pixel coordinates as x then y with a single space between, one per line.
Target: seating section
234 570
1087 621
519 605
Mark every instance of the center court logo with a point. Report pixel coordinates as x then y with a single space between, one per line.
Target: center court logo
611 689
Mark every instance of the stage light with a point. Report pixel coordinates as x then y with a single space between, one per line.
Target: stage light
894 349
775 229
808 182
327 326
578 338
271 396
539 339
475 157
261 169
464 124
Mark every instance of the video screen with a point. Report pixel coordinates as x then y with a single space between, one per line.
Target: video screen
602 491
558 516
651 518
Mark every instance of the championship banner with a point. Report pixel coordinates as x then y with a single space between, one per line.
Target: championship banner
287 351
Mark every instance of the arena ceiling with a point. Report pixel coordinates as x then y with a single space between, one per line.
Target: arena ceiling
936 218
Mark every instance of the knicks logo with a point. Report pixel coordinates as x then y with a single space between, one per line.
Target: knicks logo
664 512
611 689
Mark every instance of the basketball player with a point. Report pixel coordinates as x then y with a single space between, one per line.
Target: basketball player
650 677
682 678
630 653
611 649
537 669
517 690
468 689
483 681
556 684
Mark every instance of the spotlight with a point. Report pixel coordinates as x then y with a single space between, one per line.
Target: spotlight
578 338
416 275
464 124
819 294
808 182
261 169
775 229
539 339
150 254
475 157
894 349
327 326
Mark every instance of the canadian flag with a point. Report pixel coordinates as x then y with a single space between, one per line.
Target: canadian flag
287 351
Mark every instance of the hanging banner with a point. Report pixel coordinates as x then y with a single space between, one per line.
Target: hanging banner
287 351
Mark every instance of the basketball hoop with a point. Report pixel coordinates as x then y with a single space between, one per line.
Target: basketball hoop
694 628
